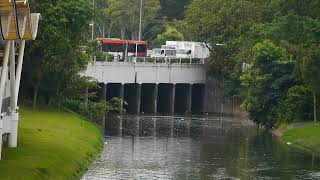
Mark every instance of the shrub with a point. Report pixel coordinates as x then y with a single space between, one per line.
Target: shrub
296 106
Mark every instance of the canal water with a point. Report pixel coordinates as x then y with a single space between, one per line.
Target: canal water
185 148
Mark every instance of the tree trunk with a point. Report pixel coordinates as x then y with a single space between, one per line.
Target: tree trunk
123 31
35 95
103 31
110 29
86 98
50 101
314 106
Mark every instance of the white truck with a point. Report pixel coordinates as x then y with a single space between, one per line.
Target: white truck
188 49
164 52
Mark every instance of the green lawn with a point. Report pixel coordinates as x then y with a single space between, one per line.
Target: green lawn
52 145
306 138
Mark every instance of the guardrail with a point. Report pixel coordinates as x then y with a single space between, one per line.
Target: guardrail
158 60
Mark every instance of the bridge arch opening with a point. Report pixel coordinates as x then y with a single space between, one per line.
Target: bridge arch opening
166 98
183 98
149 98
114 90
198 95
132 93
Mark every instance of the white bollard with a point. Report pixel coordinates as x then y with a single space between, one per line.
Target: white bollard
13 136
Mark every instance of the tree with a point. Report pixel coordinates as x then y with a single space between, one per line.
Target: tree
311 74
57 56
173 9
267 82
125 15
171 34
225 25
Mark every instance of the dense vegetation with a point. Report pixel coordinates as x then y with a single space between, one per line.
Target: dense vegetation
53 144
263 52
54 62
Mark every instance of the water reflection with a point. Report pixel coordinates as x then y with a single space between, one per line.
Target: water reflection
151 147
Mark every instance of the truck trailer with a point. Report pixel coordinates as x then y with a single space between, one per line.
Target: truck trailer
188 49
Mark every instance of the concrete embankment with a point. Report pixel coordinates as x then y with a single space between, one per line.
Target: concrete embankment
304 136
52 145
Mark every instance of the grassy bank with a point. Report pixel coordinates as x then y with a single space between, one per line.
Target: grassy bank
52 145
306 137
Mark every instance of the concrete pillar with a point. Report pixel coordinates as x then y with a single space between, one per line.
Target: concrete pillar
172 99
121 93
138 100
155 99
189 98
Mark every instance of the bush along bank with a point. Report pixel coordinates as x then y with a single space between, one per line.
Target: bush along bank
53 144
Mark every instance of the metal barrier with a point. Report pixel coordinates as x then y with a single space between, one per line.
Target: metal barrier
158 60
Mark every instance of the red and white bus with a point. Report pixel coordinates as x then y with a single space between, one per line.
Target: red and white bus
127 48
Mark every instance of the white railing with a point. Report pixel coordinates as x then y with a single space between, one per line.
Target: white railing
155 60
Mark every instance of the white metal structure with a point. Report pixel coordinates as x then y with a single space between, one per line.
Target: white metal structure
17 26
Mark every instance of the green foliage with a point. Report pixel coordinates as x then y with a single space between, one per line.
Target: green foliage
267 82
96 111
124 16
57 57
104 56
235 30
117 105
225 26
310 68
171 34
173 9
296 106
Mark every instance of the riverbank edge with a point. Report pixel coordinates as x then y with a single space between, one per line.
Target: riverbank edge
41 169
303 136
94 155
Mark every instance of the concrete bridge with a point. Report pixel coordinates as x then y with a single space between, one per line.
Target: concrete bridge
151 87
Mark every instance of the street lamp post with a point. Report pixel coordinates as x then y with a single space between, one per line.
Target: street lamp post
92 27
140 24
92 32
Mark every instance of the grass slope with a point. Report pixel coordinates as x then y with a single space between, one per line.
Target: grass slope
306 137
52 145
